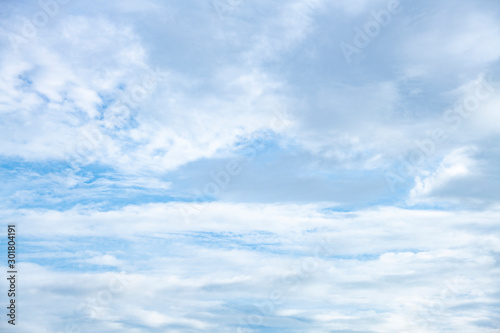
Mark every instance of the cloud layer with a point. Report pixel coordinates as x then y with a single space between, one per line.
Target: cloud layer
260 268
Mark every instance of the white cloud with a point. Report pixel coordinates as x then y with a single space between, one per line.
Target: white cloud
455 165
380 269
106 260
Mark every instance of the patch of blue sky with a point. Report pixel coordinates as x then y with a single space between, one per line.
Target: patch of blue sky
72 255
104 105
72 266
26 81
340 209
75 243
54 185
19 164
269 243
256 241
134 247
261 140
272 163
105 201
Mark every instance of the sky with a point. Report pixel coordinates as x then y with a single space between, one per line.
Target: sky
252 166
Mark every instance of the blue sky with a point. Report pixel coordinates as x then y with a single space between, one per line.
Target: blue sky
203 153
